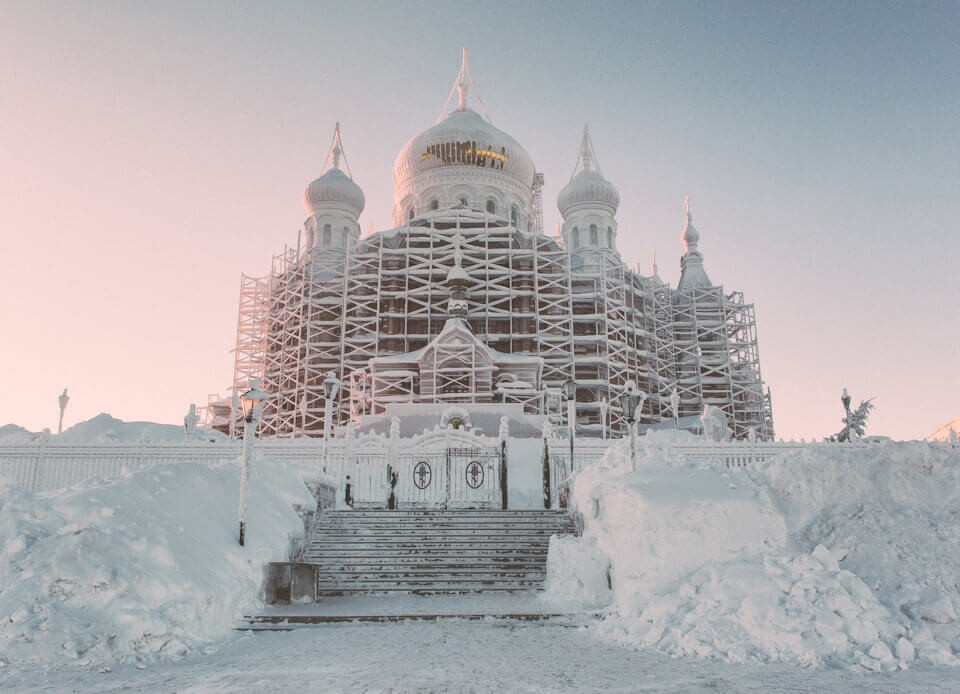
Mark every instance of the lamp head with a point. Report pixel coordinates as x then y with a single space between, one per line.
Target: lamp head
331 385
252 398
570 389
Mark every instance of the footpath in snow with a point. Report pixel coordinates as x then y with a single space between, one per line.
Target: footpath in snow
836 556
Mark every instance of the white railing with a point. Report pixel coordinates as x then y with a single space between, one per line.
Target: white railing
45 465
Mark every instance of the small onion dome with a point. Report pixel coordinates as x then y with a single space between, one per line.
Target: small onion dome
334 189
458 276
690 236
589 189
463 139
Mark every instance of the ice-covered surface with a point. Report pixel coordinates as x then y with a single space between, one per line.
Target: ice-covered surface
457 656
834 556
106 429
140 567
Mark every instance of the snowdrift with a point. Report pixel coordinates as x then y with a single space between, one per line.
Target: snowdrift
827 556
107 429
141 567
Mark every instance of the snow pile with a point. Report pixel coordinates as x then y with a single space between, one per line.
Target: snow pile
828 556
106 429
140 567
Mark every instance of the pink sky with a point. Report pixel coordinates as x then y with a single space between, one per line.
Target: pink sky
151 154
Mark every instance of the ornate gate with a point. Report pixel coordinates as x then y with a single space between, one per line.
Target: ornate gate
451 470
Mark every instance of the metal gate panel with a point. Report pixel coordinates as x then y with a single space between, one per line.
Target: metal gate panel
474 478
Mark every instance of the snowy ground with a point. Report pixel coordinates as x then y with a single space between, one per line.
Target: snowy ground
458 656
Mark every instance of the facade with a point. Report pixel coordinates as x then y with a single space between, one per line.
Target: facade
468 301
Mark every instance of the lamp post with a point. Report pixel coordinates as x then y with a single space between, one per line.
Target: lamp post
629 401
63 400
604 408
252 402
570 391
331 386
845 399
675 407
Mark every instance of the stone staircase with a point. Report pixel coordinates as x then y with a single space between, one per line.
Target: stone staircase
432 551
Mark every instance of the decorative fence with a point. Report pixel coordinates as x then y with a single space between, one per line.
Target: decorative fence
439 467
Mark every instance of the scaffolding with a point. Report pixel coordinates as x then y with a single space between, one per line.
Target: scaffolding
601 325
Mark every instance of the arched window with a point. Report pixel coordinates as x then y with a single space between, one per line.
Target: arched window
327 234
434 204
491 206
576 237
309 238
610 237
410 214
514 216
346 235
594 241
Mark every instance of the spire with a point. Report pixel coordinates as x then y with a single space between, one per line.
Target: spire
586 157
462 85
654 263
692 274
690 236
336 151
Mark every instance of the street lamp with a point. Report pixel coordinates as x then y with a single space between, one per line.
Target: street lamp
331 386
845 399
252 402
631 400
604 408
675 407
570 391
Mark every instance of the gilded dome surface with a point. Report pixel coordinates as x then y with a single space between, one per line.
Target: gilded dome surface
463 139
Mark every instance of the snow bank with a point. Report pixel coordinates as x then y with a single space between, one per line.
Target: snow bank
140 567
826 556
106 429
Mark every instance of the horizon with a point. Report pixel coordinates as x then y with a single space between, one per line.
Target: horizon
158 154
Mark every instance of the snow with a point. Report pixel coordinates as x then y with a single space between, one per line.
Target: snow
457 656
828 556
106 429
141 567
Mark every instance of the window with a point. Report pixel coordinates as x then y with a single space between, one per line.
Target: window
346 235
434 204
514 216
593 235
610 237
327 234
309 238
410 214
463 201
491 206
576 237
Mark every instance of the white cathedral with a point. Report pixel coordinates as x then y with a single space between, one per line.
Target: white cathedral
467 304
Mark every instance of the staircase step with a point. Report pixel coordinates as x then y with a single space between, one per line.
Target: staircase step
432 550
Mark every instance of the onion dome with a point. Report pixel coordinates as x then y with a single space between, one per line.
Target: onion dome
690 235
692 273
463 138
334 189
588 188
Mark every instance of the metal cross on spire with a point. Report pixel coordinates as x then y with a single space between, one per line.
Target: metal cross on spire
462 85
586 156
336 151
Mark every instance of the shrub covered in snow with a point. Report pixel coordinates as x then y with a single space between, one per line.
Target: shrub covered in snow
140 567
826 556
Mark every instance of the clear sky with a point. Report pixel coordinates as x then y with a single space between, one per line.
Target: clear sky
151 152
